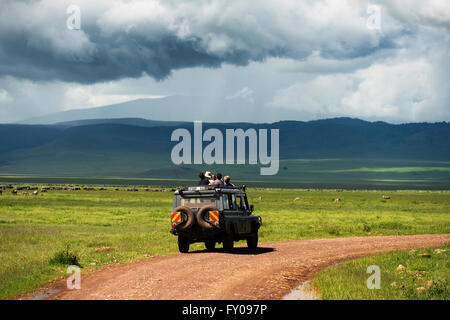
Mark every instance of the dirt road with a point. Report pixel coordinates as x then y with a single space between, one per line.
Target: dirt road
269 273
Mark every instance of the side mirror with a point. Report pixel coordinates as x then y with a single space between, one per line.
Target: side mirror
252 208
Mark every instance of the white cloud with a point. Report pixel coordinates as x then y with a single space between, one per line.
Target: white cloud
409 83
434 13
394 91
400 91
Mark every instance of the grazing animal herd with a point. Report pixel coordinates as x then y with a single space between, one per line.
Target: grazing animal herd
34 190
337 200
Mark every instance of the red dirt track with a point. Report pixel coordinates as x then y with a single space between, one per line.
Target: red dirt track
268 273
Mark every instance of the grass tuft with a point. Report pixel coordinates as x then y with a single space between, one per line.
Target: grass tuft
65 257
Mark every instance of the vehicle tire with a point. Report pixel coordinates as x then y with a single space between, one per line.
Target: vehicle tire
202 216
228 243
252 241
183 244
210 245
187 216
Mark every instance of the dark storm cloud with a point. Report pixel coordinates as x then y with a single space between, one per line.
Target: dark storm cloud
123 57
132 38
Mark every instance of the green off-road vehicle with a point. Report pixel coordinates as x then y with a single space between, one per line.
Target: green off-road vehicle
213 215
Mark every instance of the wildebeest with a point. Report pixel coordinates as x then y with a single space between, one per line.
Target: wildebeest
14 191
337 200
35 193
386 197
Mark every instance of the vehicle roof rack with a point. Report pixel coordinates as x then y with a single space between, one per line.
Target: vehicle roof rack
202 188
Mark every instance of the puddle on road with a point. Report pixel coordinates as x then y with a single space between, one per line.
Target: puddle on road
302 292
45 294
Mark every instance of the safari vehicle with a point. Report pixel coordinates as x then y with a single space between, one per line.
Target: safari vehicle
213 215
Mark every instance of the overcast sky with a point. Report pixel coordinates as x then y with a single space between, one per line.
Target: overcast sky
318 59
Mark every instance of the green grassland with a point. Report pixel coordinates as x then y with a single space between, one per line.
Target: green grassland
418 277
107 227
381 174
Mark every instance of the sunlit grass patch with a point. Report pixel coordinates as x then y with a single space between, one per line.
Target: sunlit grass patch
394 169
405 275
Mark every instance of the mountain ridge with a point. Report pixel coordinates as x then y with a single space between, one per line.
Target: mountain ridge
327 152
187 108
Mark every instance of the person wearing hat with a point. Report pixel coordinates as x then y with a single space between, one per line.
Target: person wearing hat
209 176
203 179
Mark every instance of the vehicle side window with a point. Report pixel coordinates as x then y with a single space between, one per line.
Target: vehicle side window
241 203
233 202
226 202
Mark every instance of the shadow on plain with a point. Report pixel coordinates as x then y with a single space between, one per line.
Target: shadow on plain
239 250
